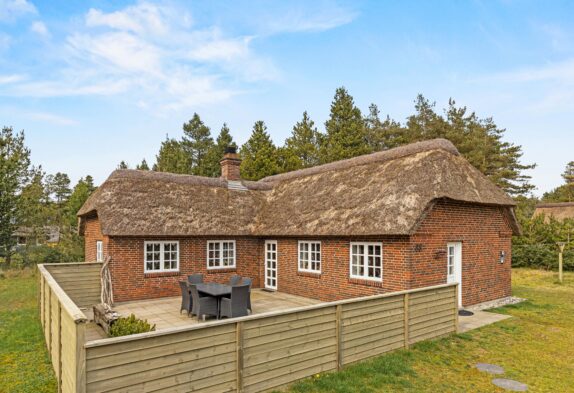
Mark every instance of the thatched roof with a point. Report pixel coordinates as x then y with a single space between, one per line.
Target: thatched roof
384 193
559 211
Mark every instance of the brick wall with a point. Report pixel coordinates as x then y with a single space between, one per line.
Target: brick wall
131 283
92 234
408 262
334 283
483 231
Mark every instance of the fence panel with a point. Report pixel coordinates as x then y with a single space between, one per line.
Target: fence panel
80 281
432 313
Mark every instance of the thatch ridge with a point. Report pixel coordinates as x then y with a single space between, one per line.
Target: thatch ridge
555 204
381 156
557 210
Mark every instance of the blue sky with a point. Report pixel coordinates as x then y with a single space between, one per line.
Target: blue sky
93 83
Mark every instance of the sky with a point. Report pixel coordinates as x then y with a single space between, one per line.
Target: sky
93 83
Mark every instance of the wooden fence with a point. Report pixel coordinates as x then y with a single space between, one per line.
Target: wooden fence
266 351
64 326
81 281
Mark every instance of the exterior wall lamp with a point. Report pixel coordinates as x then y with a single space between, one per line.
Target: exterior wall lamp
502 257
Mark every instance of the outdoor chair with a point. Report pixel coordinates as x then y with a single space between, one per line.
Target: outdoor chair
195 278
202 306
185 298
236 306
248 281
234 280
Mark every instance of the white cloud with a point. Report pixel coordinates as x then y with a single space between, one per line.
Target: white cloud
40 28
51 118
12 9
7 79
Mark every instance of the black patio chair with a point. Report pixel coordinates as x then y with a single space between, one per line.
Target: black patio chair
234 280
202 305
195 278
247 280
236 306
185 298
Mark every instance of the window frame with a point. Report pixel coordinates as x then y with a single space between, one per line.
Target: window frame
99 251
309 252
162 244
365 261
220 266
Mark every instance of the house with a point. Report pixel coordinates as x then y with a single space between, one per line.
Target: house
26 236
559 210
414 216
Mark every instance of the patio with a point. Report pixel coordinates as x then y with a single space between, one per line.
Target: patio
164 312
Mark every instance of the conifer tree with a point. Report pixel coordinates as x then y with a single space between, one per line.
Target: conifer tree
259 154
143 166
123 165
302 147
172 157
382 135
197 141
345 130
80 194
215 154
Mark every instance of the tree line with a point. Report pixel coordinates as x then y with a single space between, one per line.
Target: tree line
347 133
32 200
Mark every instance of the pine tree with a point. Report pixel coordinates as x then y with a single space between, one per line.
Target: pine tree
82 190
382 135
34 208
216 152
143 166
346 135
197 141
259 154
172 157
302 147
565 192
14 176
123 165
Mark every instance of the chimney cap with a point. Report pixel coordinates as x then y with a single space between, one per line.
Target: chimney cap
230 150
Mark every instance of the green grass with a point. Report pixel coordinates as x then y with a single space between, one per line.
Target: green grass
535 347
24 362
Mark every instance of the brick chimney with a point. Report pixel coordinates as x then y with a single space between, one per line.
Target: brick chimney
230 164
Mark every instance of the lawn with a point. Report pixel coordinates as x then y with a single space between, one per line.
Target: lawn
535 347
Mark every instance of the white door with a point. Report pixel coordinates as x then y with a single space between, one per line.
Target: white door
454 267
271 264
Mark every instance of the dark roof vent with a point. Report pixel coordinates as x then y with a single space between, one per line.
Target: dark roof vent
231 150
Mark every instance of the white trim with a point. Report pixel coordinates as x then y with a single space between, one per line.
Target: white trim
99 251
309 242
276 270
365 277
221 266
162 244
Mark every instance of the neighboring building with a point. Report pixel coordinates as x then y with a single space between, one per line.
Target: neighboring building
414 216
559 210
27 236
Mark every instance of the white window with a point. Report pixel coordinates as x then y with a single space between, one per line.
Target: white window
220 254
367 261
99 251
161 256
310 257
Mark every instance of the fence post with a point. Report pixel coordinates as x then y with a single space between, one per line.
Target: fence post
49 322
41 305
456 289
239 355
59 373
80 357
406 318
339 336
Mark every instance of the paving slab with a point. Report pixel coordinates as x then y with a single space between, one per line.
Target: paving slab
490 368
511 385
479 319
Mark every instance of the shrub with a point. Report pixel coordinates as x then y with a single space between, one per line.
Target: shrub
130 325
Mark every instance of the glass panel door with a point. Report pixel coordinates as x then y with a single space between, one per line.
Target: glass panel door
271 264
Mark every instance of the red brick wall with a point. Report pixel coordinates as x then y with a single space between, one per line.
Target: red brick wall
131 283
334 283
483 231
93 233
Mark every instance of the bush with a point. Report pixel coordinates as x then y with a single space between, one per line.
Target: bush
130 325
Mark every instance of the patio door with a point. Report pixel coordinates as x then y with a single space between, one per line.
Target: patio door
271 264
454 267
